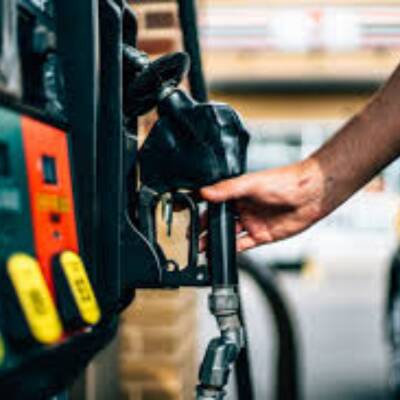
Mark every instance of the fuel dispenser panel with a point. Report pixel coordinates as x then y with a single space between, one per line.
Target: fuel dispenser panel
50 320
60 269
45 292
50 193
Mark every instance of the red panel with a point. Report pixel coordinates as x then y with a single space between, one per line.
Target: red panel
52 204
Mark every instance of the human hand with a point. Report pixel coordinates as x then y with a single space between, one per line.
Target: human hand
273 204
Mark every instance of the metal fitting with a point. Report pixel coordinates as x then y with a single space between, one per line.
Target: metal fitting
224 301
223 351
215 368
209 394
235 336
228 322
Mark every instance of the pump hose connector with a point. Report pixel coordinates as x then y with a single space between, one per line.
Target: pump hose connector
223 351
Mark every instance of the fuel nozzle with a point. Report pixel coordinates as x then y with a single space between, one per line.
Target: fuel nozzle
152 81
192 145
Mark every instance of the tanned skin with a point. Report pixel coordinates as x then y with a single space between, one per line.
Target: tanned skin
279 203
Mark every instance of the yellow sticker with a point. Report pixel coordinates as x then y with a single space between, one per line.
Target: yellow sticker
80 286
53 203
2 350
35 298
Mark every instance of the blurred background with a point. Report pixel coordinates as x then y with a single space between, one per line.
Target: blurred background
296 71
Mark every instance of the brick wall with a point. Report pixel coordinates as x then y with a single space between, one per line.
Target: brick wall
158 358
158 26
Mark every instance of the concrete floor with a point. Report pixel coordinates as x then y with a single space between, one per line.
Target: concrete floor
339 314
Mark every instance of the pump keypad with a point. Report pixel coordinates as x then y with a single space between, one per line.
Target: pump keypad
34 299
75 296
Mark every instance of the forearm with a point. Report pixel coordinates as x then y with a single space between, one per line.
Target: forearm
362 148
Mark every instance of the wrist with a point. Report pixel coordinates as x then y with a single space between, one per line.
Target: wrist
317 188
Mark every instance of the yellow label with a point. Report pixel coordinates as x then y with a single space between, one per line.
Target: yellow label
53 203
2 350
80 286
35 298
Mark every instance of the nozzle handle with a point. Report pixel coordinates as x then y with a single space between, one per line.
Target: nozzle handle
221 246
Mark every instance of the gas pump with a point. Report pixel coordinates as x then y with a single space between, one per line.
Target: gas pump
51 319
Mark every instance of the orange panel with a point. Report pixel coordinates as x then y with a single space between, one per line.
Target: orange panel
50 191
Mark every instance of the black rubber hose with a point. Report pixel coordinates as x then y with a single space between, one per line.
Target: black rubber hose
288 385
191 42
392 326
243 374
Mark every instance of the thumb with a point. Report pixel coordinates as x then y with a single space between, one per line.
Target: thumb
230 189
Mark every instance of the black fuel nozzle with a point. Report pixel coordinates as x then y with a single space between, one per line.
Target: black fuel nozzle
190 146
193 145
151 78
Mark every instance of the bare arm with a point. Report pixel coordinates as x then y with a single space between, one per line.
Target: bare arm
276 204
368 143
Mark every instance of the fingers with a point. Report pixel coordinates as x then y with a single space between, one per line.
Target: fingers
204 237
239 227
203 243
203 221
204 224
227 190
245 243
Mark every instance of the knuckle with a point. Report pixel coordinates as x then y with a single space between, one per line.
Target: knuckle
261 236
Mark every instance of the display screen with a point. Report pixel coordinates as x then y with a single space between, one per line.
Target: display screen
4 160
49 170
